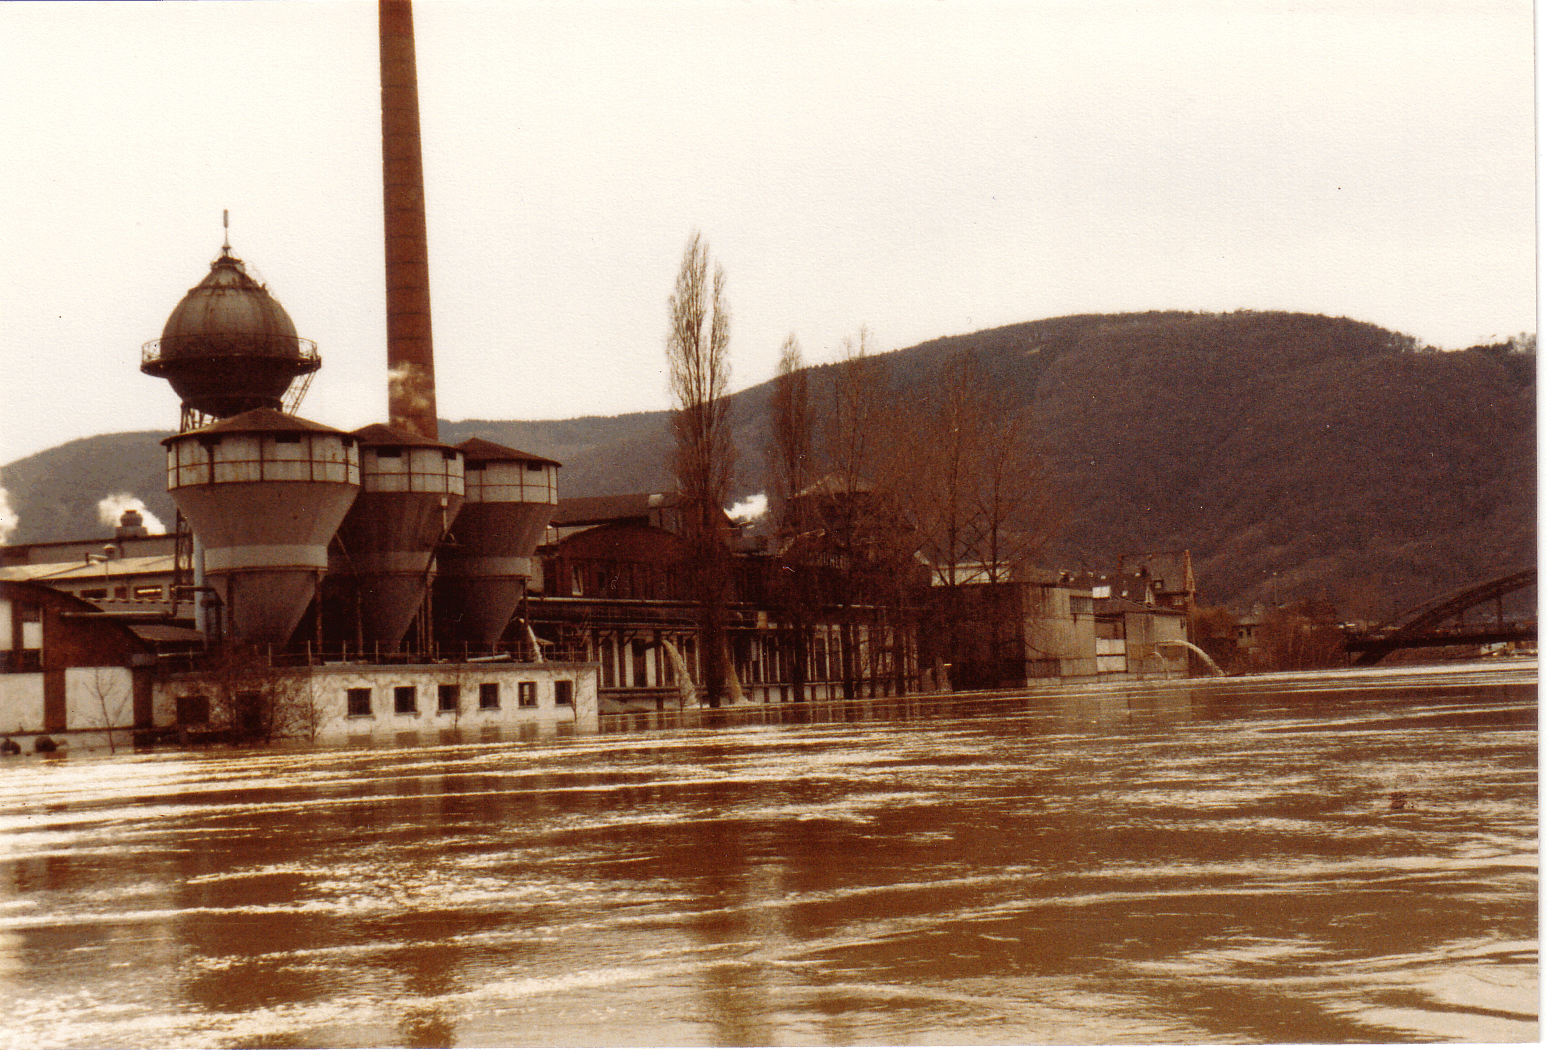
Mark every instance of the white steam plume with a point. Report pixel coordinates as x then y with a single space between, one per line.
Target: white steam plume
8 518
111 508
750 509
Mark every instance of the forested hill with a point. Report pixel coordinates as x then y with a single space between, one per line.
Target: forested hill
1295 455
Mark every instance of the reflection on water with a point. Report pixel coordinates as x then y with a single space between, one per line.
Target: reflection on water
1188 862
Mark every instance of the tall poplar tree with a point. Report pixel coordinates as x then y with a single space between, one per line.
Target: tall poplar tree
697 358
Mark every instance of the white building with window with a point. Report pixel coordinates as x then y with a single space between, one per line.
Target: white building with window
405 704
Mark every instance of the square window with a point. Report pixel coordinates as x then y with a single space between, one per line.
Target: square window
192 710
405 699
526 694
359 703
489 696
448 697
563 693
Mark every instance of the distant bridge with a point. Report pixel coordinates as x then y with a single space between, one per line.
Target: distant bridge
1440 622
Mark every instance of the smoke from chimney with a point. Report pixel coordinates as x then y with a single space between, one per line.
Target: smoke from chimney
411 398
8 519
750 509
110 510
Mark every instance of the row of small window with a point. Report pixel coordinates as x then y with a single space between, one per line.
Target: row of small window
448 697
122 593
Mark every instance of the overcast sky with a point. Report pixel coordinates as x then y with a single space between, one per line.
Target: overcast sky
921 168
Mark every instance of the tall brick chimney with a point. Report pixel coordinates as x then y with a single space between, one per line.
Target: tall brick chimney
410 352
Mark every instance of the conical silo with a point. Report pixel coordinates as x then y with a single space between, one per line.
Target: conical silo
410 492
264 492
487 559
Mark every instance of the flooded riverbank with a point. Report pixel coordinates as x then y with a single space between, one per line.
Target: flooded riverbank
1202 861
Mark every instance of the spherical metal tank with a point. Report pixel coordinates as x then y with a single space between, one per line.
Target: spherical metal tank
411 491
229 346
486 561
264 493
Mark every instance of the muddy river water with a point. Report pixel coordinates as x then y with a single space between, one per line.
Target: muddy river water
1205 861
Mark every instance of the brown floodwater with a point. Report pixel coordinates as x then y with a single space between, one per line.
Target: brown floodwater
1205 861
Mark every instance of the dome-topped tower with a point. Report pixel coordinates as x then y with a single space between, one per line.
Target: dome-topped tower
228 346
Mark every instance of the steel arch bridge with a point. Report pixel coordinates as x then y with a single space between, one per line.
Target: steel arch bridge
1429 624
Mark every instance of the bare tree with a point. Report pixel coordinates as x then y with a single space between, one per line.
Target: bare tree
790 457
940 490
697 356
255 702
979 496
789 452
866 542
979 493
111 700
1015 503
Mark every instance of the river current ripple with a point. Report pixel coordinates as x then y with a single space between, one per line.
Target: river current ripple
1186 862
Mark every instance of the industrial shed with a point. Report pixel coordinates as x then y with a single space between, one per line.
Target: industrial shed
68 671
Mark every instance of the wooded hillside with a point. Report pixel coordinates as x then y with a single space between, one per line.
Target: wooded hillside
1296 456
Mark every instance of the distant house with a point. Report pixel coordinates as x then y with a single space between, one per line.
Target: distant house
1168 576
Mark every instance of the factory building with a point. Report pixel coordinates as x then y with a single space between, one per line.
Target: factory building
610 583
380 585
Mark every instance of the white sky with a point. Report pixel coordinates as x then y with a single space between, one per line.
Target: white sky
922 168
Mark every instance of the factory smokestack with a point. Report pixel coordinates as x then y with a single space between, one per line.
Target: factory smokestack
410 353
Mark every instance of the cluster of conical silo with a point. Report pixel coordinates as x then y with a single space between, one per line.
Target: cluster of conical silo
277 504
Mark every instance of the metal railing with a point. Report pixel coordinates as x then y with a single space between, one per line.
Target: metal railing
290 348
324 656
